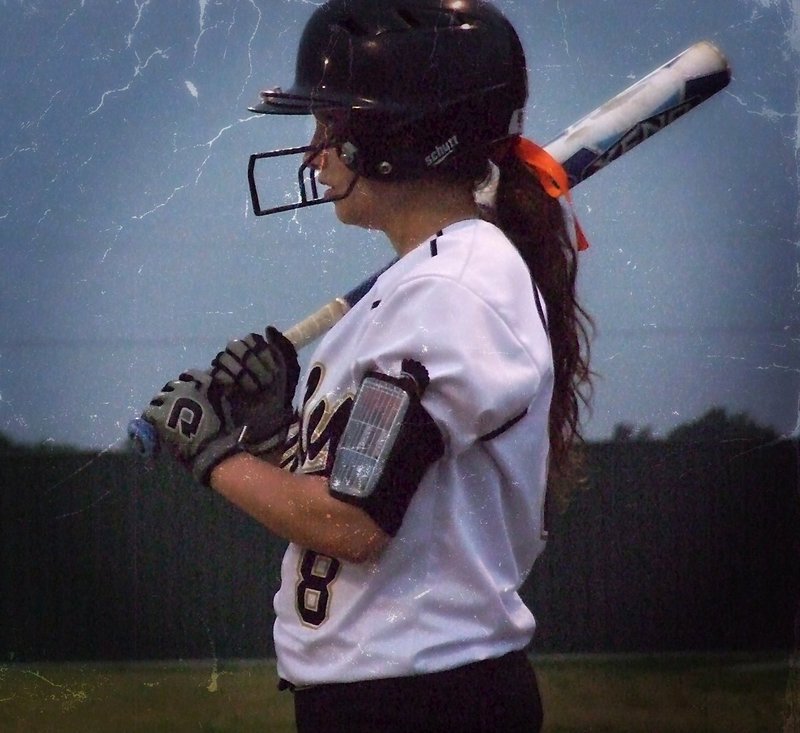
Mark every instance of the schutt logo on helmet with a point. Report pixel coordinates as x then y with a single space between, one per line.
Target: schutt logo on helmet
442 152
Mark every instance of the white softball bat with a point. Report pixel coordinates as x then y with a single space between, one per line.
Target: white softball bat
597 139
585 147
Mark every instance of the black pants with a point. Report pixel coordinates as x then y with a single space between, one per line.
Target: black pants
493 696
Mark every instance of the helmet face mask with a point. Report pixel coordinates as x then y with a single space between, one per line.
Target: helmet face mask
414 88
306 179
309 194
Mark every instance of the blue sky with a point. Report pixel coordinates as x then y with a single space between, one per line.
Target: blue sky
129 251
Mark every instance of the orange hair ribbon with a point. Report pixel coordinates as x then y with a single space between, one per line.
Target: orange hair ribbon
553 177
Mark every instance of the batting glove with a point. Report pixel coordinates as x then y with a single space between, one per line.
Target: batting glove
259 375
194 419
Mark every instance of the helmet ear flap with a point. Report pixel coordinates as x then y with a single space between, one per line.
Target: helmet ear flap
454 141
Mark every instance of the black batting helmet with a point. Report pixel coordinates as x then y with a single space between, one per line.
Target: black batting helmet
416 85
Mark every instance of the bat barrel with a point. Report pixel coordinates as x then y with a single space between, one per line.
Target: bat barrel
640 111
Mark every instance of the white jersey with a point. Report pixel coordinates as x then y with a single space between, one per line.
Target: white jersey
444 592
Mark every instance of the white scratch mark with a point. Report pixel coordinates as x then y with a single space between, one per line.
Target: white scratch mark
69 17
33 148
563 16
202 23
250 47
138 69
770 114
140 7
162 204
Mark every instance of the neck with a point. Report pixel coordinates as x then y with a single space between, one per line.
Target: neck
420 209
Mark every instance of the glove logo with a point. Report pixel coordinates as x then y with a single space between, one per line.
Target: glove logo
185 417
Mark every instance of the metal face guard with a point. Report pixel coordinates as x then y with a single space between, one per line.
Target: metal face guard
306 181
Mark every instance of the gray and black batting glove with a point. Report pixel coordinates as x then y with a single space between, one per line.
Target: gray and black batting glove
194 419
258 375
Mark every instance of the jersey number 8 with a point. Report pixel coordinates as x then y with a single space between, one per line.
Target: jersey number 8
317 573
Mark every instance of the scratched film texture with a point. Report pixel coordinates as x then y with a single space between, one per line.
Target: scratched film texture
129 251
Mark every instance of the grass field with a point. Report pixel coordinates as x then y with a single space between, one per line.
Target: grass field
617 694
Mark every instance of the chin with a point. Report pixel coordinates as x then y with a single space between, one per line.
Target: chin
342 212
357 209
347 212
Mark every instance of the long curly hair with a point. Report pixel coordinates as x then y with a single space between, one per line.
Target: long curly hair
534 222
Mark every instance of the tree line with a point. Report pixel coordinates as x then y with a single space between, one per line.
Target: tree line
689 542
717 425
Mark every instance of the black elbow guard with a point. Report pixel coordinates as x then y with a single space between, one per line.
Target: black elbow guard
389 442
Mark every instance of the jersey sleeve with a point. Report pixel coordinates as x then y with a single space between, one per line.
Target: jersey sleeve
486 358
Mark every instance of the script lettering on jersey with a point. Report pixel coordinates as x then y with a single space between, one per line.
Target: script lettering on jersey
311 445
310 448
638 133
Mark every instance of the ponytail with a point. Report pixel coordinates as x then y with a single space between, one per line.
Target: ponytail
533 220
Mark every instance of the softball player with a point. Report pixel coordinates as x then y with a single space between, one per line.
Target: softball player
410 477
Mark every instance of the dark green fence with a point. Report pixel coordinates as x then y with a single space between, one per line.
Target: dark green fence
671 546
675 546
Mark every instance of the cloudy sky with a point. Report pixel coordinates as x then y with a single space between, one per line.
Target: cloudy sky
129 250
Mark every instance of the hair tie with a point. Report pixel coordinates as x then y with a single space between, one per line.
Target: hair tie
485 192
551 174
